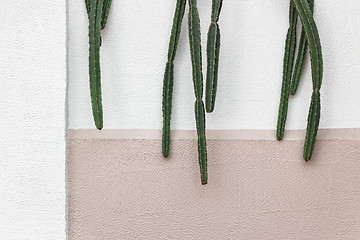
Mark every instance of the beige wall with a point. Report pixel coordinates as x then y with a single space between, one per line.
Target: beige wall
120 187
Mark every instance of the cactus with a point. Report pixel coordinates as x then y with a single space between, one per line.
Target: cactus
200 126
105 13
313 125
312 35
98 11
303 46
213 50
289 57
87 3
169 75
196 59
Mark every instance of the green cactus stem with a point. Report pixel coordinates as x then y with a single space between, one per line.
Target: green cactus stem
313 125
105 13
196 59
200 126
289 57
169 76
303 47
213 51
87 3
312 35
94 61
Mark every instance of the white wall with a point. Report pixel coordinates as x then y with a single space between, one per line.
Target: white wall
32 101
134 53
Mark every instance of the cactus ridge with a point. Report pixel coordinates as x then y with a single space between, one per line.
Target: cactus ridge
299 65
313 38
169 75
213 52
195 50
289 56
94 61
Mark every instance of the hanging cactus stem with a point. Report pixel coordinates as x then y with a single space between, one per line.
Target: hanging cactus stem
213 51
94 61
87 3
105 13
169 76
299 65
289 57
313 38
196 59
313 125
200 126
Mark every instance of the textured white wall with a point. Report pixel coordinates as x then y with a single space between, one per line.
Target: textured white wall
134 52
32 100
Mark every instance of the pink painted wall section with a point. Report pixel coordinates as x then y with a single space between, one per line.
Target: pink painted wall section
120 187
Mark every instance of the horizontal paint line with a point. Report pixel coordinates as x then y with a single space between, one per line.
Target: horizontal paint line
351 134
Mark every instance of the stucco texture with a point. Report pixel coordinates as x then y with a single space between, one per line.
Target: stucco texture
120 187
33 77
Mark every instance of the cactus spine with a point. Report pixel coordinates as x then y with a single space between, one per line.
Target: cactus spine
303 47
169 76
196 59
213 51
96 10
313 38
289 57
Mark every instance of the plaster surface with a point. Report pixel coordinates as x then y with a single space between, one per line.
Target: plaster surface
134 51
120 187
32 103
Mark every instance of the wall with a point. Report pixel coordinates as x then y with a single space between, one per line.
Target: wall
253 36
32 101
120 187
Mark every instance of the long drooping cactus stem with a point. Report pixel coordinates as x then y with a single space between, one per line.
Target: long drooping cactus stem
312 35
196 59
94 60
213 50
289 57
169 75
303 47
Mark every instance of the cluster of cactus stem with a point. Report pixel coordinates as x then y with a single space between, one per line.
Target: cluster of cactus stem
291 74
98 12
213 49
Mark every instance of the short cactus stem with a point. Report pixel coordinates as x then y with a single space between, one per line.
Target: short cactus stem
167 102
213 52
200 126
105 13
